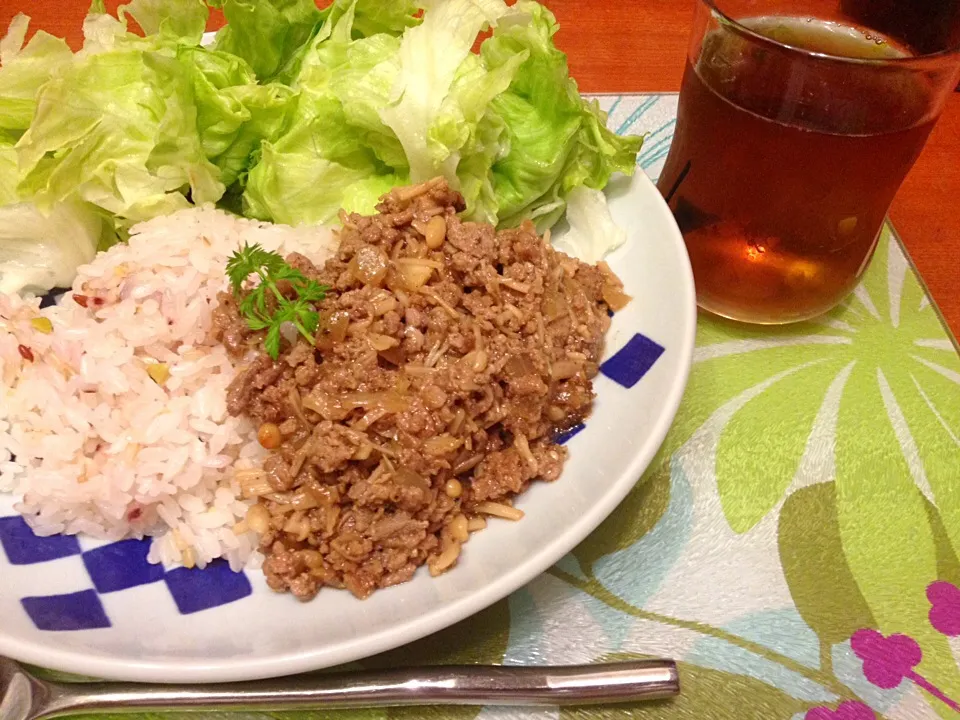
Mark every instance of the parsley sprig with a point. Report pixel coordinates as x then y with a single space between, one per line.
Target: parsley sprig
265 307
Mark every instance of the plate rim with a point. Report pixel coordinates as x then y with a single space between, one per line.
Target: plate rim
240 669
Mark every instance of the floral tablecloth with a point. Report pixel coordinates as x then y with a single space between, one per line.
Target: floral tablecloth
795 543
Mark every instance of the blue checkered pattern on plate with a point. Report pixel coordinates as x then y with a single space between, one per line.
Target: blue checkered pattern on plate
122 565
112 568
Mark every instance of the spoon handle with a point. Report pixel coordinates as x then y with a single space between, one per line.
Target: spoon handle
439 685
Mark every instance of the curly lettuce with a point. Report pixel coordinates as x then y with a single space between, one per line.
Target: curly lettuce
293 114
557 140
23 70
42 249
506 126
128 128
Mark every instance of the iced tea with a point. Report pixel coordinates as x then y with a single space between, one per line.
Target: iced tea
781 172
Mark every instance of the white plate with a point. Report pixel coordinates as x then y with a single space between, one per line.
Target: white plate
257 633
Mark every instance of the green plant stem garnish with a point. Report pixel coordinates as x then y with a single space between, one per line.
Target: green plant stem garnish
265 307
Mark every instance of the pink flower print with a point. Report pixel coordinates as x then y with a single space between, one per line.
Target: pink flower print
944 600
886 660
849 710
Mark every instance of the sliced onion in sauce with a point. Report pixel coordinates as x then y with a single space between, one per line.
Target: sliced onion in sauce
564 369
326 406
389 401
382 342
333 329
303 499
406 476
414 276
369 265
615 297
441 444
519 365
289 332
393 355
554 305
384 303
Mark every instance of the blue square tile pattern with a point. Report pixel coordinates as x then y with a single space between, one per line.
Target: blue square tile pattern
113 567
121 565
22 547
632 361
74 611
52 297
564 437
194 590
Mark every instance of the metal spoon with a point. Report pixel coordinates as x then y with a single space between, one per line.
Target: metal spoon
24 696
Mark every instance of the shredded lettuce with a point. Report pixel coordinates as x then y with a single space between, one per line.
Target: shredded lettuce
152 124
592 232
101 138
372 18
337 152
266 33
23 70
507 126
557 141
427 63
8 174
295 113
40 250
234 113
184 20
129 143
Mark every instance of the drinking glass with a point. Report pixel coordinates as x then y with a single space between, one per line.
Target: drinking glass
798 121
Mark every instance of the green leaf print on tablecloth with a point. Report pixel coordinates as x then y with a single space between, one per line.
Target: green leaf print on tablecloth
812 469
839 436
810 550
882 460
883 339
633 519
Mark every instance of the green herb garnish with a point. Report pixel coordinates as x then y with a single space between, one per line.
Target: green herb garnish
264 313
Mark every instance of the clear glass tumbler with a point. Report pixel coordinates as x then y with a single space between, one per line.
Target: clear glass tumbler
798 121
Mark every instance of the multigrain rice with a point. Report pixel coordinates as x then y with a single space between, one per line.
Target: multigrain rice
113 418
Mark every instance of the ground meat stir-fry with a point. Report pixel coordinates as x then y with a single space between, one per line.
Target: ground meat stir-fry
447 357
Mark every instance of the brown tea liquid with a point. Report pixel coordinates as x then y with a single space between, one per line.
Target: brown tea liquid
780 173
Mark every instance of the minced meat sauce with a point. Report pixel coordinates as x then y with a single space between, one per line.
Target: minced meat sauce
447 358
